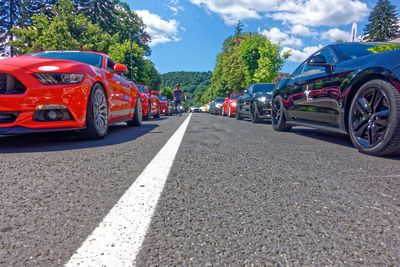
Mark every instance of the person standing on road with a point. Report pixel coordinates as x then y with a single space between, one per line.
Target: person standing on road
178 99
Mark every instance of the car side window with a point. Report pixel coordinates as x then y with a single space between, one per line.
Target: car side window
299 70
110 65
329 57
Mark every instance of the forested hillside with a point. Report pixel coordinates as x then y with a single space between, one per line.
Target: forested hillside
192 83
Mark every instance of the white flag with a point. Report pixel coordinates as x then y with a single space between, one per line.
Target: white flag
354 32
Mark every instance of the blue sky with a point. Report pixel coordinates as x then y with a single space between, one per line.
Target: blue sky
188 34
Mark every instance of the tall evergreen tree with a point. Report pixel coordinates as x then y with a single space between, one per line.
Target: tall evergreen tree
102 12
238 28
383 23
8 19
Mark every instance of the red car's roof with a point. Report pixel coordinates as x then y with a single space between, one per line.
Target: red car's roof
66 51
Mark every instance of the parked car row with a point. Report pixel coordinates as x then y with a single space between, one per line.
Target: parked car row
70 90
348 88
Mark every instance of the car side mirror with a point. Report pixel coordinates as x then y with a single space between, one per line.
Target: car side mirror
120 68
226 98
317 60
153 92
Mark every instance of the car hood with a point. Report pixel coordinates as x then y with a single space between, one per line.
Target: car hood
266 94
33 63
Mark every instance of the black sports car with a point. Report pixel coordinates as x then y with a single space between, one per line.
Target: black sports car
351 88
256 102
216 108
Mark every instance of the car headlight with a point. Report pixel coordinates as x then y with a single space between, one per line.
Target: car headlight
59 78
234 104
262 99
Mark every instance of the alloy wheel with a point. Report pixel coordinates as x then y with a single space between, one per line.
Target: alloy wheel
100 111
370 117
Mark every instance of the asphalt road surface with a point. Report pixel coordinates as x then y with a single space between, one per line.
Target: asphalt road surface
238 194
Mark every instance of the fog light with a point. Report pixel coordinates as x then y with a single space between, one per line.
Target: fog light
51 115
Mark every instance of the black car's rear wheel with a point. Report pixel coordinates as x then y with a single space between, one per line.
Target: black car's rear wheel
254 113
96 114
278 115
374 119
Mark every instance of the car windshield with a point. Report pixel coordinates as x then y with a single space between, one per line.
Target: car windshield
263 87
220 100
234 97
142 89
162 98
86 58
355 50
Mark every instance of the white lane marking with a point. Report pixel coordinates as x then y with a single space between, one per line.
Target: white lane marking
118 238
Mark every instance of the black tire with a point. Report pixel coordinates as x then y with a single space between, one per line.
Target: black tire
374 119
96 125
254 113
278 119
138 116
238 116
158 113
146 117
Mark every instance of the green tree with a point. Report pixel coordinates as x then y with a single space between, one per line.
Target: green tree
250 54
270 62
10 11
122 53
167 92
383 23
101 12
66 31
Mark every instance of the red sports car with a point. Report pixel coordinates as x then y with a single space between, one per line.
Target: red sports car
66 90
166 106
150 102
229 106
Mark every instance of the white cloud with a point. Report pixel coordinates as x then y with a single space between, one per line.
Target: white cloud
301 30
305 12
161 31
322 12
336 34
174 6
300 56
233 10
277 36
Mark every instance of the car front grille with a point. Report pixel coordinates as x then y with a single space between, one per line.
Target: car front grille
9 85
8 117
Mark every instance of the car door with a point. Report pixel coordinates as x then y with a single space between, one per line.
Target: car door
312 100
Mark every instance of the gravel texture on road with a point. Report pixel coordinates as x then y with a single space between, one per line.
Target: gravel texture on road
241 194
55 189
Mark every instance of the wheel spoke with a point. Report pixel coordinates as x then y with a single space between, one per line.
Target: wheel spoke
373 98
360 129
377 103
382 113
373 134
362 106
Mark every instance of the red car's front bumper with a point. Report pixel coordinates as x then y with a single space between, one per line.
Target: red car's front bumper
17 110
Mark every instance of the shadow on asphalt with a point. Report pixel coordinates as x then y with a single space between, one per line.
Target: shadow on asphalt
60 141
336 138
